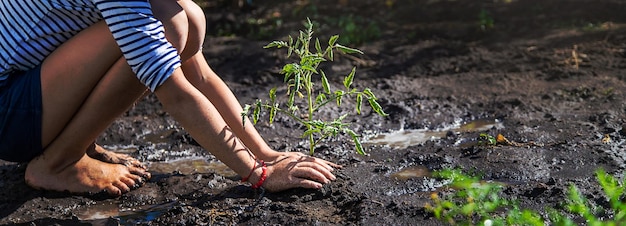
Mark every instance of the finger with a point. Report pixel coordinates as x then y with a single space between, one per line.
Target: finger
304 183
324 169
327 164
323 163
332 164
311 173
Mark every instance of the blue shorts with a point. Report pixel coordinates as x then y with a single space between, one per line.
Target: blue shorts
20 116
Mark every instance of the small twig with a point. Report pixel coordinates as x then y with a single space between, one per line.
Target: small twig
575 57
500 139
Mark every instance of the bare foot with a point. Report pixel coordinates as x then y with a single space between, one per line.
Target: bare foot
98 152
87 175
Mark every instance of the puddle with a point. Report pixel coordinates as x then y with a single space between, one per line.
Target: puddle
98 214
101 214
411 172
160 136
404 138
191 165
123 149
418 179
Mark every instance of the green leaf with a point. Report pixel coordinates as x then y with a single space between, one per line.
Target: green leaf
347 50
325 83
290 49
303 39
318 46
311 131
276 44
359 102
320 99
576 201
330 53
289 70
333 40
338 96
244 114
468 209
291 101
293 108
377 108
347 81
611 187
272 94
357 141
273 112
369 93
257 112
338 121
333 131
297 82
309 68
317 124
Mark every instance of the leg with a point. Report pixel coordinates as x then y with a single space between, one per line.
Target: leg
79 102
97 88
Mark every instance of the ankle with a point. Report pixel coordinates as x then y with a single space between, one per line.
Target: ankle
52 164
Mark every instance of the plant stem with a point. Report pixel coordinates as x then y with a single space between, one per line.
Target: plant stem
309 93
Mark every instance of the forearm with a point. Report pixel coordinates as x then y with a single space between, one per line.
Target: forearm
202 121
200 118
227 104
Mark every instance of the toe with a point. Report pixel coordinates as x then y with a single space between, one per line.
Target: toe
128 181
139 172
122 187
113 190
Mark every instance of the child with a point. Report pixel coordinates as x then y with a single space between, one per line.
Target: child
69 68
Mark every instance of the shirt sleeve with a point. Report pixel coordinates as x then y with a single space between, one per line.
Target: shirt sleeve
141 38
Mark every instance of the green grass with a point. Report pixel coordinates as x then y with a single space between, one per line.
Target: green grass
475 202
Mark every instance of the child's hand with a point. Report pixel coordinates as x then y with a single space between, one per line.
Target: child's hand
292 169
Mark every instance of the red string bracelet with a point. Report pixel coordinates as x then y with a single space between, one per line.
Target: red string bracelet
250 174
263 176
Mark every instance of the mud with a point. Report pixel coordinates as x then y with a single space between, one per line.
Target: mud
547 72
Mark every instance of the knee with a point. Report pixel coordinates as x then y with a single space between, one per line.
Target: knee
184 23
196 26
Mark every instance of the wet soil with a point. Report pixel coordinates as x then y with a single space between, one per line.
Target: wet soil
548 72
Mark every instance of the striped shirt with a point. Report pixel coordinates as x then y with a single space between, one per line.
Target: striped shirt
31 29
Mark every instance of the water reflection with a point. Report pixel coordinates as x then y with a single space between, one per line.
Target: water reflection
129 216
191 165
411 172
404 138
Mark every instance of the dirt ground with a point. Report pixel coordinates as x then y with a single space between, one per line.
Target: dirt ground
548 72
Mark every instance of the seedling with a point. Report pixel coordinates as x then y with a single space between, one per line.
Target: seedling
301 78
485 19
486 139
